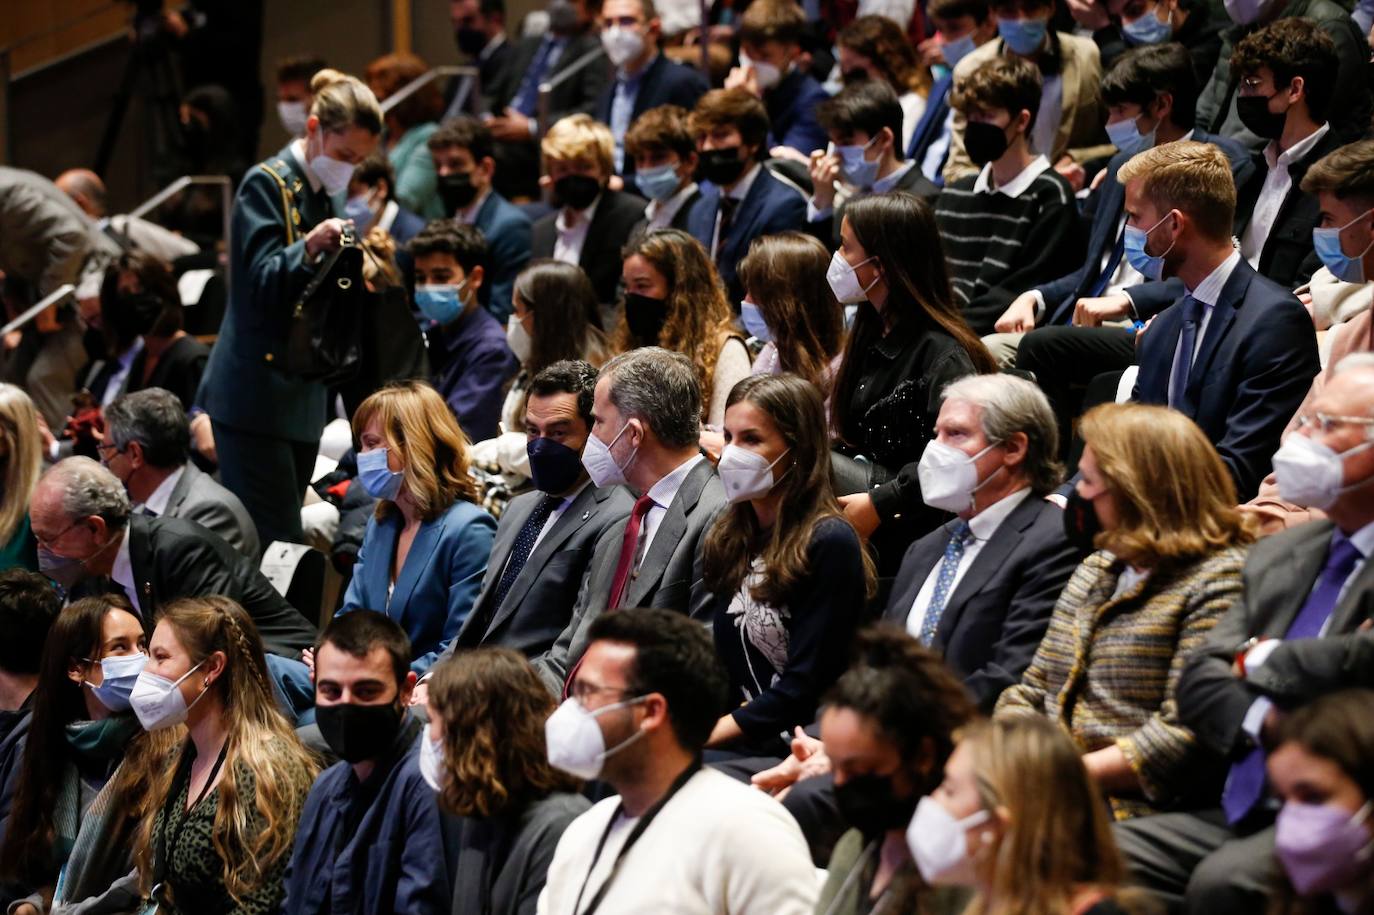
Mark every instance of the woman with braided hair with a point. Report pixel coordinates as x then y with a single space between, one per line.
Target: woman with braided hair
225 811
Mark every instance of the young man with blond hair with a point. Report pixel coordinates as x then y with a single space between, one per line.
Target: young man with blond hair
590 222
1236 352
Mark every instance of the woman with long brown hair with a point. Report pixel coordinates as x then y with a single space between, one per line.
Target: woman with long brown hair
88 768
226 808
674 299
21 461
1018 819
789 307
908 341
874 47
1158 506
487 760
425 551
788 572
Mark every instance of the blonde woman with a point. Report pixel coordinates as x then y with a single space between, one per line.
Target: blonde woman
1018 819
227 807
425 550
1159 507
487 709
674 299
21 460
266 422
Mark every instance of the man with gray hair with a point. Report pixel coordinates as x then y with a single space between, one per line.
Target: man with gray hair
147 446
91 542
646 422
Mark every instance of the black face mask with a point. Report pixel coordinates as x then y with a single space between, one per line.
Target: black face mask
1258 119
457 191
1080 522
470 41
721 167
131 316
867 803
645 316
576 191
984 142
358 732
554 467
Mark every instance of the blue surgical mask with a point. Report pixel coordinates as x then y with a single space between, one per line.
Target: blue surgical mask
754 323
120 673
1126 136
658 183
1148 29
857 170
1327 243
380 481
958 49
1150 266
442 303
1023 36
359 210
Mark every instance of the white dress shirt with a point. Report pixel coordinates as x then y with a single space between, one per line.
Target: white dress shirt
156 503
123 572
660 213
663 493
1207 293
983 525
1016 186
1277 183
568 246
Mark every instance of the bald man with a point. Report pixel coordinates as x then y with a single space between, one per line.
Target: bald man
87 191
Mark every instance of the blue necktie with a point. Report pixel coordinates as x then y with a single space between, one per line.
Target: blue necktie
1245 784
1183 365
526 101
524 545
1112 263
944 580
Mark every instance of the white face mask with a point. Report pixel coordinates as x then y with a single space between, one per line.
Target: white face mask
575 742
333 174
432 761
622 45
939 844
518 339
1310 474
601 464
949 477
746 474
293 115
158 702
765 74
844 280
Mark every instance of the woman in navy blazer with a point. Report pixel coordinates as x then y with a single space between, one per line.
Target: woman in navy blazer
425 550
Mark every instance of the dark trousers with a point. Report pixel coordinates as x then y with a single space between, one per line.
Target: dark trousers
269 475
1197 864
1066 359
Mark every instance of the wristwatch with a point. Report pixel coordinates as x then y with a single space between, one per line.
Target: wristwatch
1244 650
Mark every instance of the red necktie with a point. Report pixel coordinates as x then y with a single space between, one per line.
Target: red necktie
622 570
628 547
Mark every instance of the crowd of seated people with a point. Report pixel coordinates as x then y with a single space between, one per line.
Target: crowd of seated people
822 458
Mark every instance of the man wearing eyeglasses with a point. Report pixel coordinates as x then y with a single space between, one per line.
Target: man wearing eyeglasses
1300 630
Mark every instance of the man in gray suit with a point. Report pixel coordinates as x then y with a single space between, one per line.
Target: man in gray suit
646 419
1300 630
147 446
545 541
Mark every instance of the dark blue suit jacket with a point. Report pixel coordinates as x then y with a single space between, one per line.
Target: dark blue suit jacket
791 108
665 82
438 583
931 125
1254 367
507 231
770 207
1103 208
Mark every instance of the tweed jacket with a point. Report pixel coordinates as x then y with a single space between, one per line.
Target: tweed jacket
1108 668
